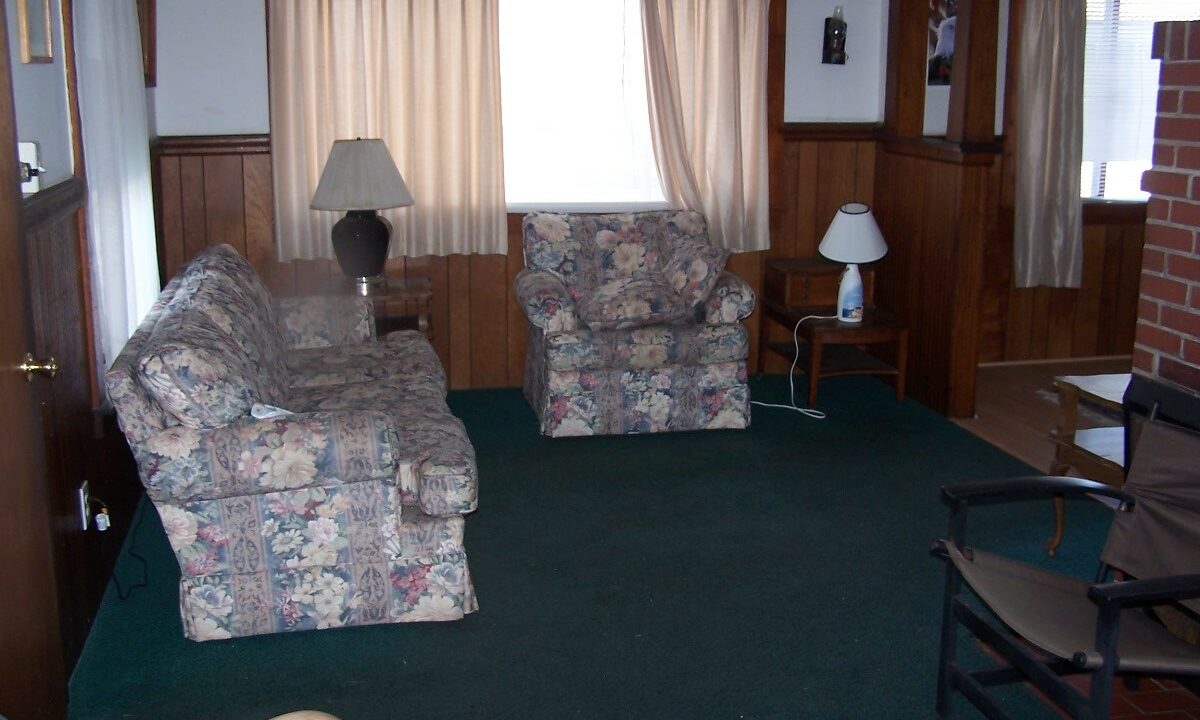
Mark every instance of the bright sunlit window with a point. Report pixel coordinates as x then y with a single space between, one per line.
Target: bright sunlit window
1120 93
576 123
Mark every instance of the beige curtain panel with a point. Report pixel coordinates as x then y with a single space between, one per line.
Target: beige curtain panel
1048 233
706 70
424 76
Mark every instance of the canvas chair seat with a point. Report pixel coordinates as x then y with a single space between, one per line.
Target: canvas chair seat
1052 611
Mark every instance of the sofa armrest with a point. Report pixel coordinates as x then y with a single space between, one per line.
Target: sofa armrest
731 301
545 301
253 457
322 321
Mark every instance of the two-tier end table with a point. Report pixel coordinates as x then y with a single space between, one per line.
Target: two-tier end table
795 289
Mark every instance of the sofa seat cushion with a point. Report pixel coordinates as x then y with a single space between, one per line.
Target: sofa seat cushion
199 374
632 303
402 354
435 457
647 347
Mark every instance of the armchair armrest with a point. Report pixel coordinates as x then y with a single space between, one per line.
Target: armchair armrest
322 321
545 301
1147 591
987 492
252 457
731 301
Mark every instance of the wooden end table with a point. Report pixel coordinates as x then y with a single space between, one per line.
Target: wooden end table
401 304
839 348
1096 453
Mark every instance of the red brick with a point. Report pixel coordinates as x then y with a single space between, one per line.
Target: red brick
1164 155
1184 267
1191 351
1158 208
1168 101
1179 73
1178 48
1182 321
1185 213
1187 376
1195 194
1161 288
1187 157
1148 310
1143 360
1171 238
1193 52
1191 102
1154 261
1161 182
1194 297
1158 46
1156 338
1177 128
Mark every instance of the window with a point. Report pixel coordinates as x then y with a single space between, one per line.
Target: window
1120 93
573 93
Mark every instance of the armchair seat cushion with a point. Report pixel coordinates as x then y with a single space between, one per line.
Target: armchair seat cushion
632 303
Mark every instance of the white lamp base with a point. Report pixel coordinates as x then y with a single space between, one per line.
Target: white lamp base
850 295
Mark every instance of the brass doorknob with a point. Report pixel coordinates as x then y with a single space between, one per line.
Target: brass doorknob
29 366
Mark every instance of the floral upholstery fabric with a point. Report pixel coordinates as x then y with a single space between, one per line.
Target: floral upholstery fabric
346 512
404 353
631 303
309 322
587 370
199 374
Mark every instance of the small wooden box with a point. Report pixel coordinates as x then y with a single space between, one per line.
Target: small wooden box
796 282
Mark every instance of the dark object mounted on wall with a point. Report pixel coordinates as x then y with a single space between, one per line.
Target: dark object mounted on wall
833 51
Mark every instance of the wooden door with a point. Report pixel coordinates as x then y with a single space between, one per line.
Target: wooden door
33 683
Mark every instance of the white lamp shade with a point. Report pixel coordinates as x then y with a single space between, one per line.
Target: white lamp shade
853 236
360 175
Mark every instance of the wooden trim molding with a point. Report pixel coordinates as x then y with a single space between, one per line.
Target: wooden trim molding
52 203
794 131
211 145
939 150
1114 212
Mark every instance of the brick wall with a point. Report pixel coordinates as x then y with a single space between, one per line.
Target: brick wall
1167 345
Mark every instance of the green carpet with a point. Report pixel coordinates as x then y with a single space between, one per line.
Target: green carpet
777 572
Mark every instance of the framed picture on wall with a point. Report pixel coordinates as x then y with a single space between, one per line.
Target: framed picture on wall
33 17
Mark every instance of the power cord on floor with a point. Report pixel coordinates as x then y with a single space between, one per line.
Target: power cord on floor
814 414
124 593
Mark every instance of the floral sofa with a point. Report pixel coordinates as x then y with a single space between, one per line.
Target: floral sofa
307 474
635 326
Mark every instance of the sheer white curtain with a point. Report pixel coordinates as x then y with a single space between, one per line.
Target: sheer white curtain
423 75
116 150
1048 232
706 71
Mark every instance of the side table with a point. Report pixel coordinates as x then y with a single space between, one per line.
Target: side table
401 304
794 289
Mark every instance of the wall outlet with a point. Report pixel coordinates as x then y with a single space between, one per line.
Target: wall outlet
85 500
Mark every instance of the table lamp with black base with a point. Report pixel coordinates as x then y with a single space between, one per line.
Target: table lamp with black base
852 238
360 177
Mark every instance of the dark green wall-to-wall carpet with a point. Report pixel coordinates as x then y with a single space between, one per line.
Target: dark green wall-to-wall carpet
778 572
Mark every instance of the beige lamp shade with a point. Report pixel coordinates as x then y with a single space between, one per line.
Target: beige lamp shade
853 236
360 175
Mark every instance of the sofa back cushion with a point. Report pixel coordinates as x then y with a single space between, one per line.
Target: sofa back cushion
196 372
590 250
222 285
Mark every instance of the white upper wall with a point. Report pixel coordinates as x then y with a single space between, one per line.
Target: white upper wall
211 68
40 94
815 92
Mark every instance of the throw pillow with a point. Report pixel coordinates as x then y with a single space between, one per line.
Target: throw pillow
631 303
197 373
694 269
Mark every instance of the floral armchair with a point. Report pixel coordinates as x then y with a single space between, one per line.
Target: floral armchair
634 325
306 474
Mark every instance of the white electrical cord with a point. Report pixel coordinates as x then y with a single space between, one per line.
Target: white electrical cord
814 414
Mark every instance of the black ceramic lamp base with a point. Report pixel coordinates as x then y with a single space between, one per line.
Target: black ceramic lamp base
360 242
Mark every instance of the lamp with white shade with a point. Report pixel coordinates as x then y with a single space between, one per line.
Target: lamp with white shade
360 177
852 238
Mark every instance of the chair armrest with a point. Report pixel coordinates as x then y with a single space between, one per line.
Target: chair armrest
987 492
731 300
1148 591
322 321
252 457
545 301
